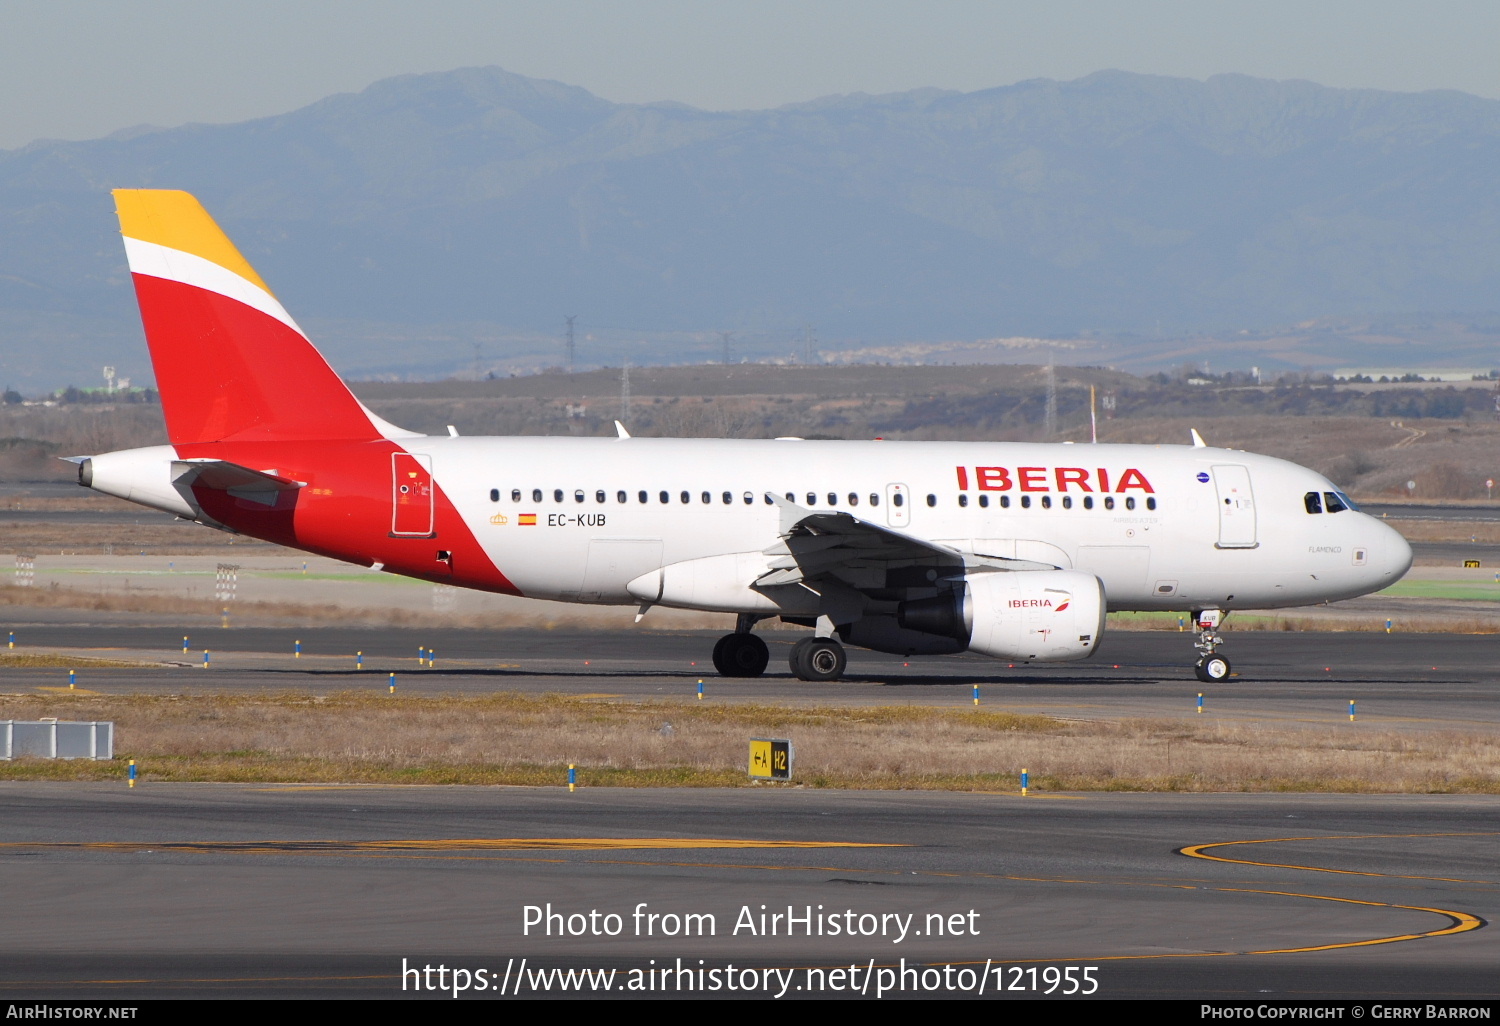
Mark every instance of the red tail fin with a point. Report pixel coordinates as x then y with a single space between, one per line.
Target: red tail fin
231 364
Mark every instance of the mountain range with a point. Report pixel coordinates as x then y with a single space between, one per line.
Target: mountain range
450 221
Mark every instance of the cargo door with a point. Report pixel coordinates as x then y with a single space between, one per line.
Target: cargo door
1236 507
614 563
1124 570
411 495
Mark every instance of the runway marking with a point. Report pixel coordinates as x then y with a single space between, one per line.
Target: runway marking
75 691
1196 851
435 845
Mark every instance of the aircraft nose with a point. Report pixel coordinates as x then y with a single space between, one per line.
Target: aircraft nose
1390 552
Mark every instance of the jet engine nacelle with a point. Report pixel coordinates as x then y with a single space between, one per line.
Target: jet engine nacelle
139 475
1041 615
1027 615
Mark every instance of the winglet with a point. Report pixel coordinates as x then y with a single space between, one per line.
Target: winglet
1198 442
620 430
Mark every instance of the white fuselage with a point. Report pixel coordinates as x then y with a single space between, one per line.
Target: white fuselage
1228 529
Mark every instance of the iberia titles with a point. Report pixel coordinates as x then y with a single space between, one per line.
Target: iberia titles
1048 479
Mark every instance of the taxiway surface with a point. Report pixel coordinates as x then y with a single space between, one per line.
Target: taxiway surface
280 890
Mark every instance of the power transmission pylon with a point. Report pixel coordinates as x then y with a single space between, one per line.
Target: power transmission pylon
1049 427
625 391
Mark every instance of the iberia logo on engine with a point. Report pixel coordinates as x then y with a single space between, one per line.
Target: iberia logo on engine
1038 604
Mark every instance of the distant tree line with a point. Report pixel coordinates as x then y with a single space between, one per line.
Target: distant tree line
1011 409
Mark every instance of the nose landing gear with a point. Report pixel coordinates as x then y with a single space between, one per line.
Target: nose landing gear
1211 667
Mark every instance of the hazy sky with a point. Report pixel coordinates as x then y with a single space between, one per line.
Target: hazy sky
77 69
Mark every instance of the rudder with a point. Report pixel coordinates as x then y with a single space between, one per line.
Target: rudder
230 362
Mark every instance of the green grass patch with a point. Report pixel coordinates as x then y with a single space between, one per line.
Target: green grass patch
1485 591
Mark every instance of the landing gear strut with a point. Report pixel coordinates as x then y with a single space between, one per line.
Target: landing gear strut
741 654
1211 667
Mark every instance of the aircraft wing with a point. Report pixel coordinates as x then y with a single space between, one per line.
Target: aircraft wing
869 558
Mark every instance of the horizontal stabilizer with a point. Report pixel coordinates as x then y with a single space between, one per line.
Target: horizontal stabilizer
241 482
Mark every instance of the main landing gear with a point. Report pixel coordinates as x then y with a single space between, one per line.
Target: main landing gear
818 659
741 654
1211 667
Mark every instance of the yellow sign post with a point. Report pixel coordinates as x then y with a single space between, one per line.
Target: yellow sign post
770 758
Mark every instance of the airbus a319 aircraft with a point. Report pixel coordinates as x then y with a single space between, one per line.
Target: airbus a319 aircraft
1015 551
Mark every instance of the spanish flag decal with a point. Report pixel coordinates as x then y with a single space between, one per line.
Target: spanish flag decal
526 520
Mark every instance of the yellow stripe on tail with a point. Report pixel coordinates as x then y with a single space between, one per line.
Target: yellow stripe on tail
178 221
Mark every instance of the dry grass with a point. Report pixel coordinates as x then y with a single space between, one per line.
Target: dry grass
44 660
539 615
1448 530
46 537
370 737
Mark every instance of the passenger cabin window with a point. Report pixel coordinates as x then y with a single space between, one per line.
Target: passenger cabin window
1004 501
963 500
812 498
1109 502
931 499
536 495
665 497
1151 502
833 500
1067 502
557 495
750 499
1332 504
707 498
1046 502
1312 502
494 495
642 496
854 498
578 495
1130 502
688 498
898 499
1025 501
599 495
620 496
874 499
1088 502
728 498
515 495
